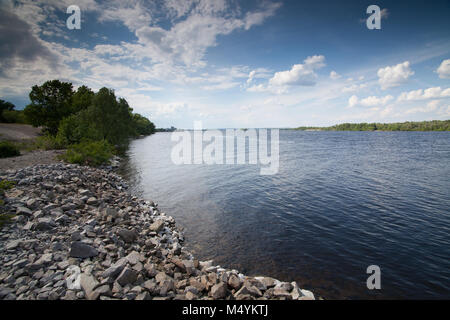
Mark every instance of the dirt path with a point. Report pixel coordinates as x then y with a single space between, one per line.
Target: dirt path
30 159
17 132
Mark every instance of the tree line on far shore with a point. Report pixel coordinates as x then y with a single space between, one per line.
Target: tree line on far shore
92 125
434 125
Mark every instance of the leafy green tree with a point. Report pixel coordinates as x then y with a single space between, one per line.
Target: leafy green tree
112 118
82 99
50 103
105 119
142 125
5 106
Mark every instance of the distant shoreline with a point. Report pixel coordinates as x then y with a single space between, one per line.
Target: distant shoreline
434 125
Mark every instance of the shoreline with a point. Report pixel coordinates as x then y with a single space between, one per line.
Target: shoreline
79 234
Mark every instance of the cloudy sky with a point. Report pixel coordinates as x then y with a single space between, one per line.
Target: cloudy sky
237 63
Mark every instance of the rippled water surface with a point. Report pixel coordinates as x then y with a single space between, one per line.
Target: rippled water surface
341 201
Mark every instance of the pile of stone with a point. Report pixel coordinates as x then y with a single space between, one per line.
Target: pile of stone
78 234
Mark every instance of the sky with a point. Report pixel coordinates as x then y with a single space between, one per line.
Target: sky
237 64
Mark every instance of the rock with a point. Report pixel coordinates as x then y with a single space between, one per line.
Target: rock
70 295
45 259
176 248
179 264
13 244
151 270
201 286
284 286
88 284
127 235
166 286
103 290
74 278
115 269
206 264
190 296
24 211
38 214
151 286
160 277
84 192
75 236
234 282
219 291
191 289
143 296
63 265
307 295
44 224
133 258
82 250
249 289
189 266
157 225
32 203
28 226
281 293
20 263
267 281
127 276
92 201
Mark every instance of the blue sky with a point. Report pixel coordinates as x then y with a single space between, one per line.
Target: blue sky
238 63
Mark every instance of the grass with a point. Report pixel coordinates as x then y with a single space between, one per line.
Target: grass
91 153
5 217
8 149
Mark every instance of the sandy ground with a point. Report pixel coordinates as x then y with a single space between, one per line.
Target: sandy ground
24 132
30 159
16 132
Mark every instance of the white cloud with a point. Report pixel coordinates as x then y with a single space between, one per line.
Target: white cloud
430 107
352 101
196 28
257 88
251 75
394 76
354 87
371 101
444 69
384 13
299 74
420 94
334 75
133 14
256 18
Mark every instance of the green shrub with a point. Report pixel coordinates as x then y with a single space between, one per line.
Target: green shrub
48 142
14 116
8 149
5 185
92 153
78 127
5 218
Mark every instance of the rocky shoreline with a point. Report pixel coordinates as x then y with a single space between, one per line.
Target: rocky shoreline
78 234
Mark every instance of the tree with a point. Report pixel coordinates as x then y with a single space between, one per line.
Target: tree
112 118
50 103
142 125
5 106
82 99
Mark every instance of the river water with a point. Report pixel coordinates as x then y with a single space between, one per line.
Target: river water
340 202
